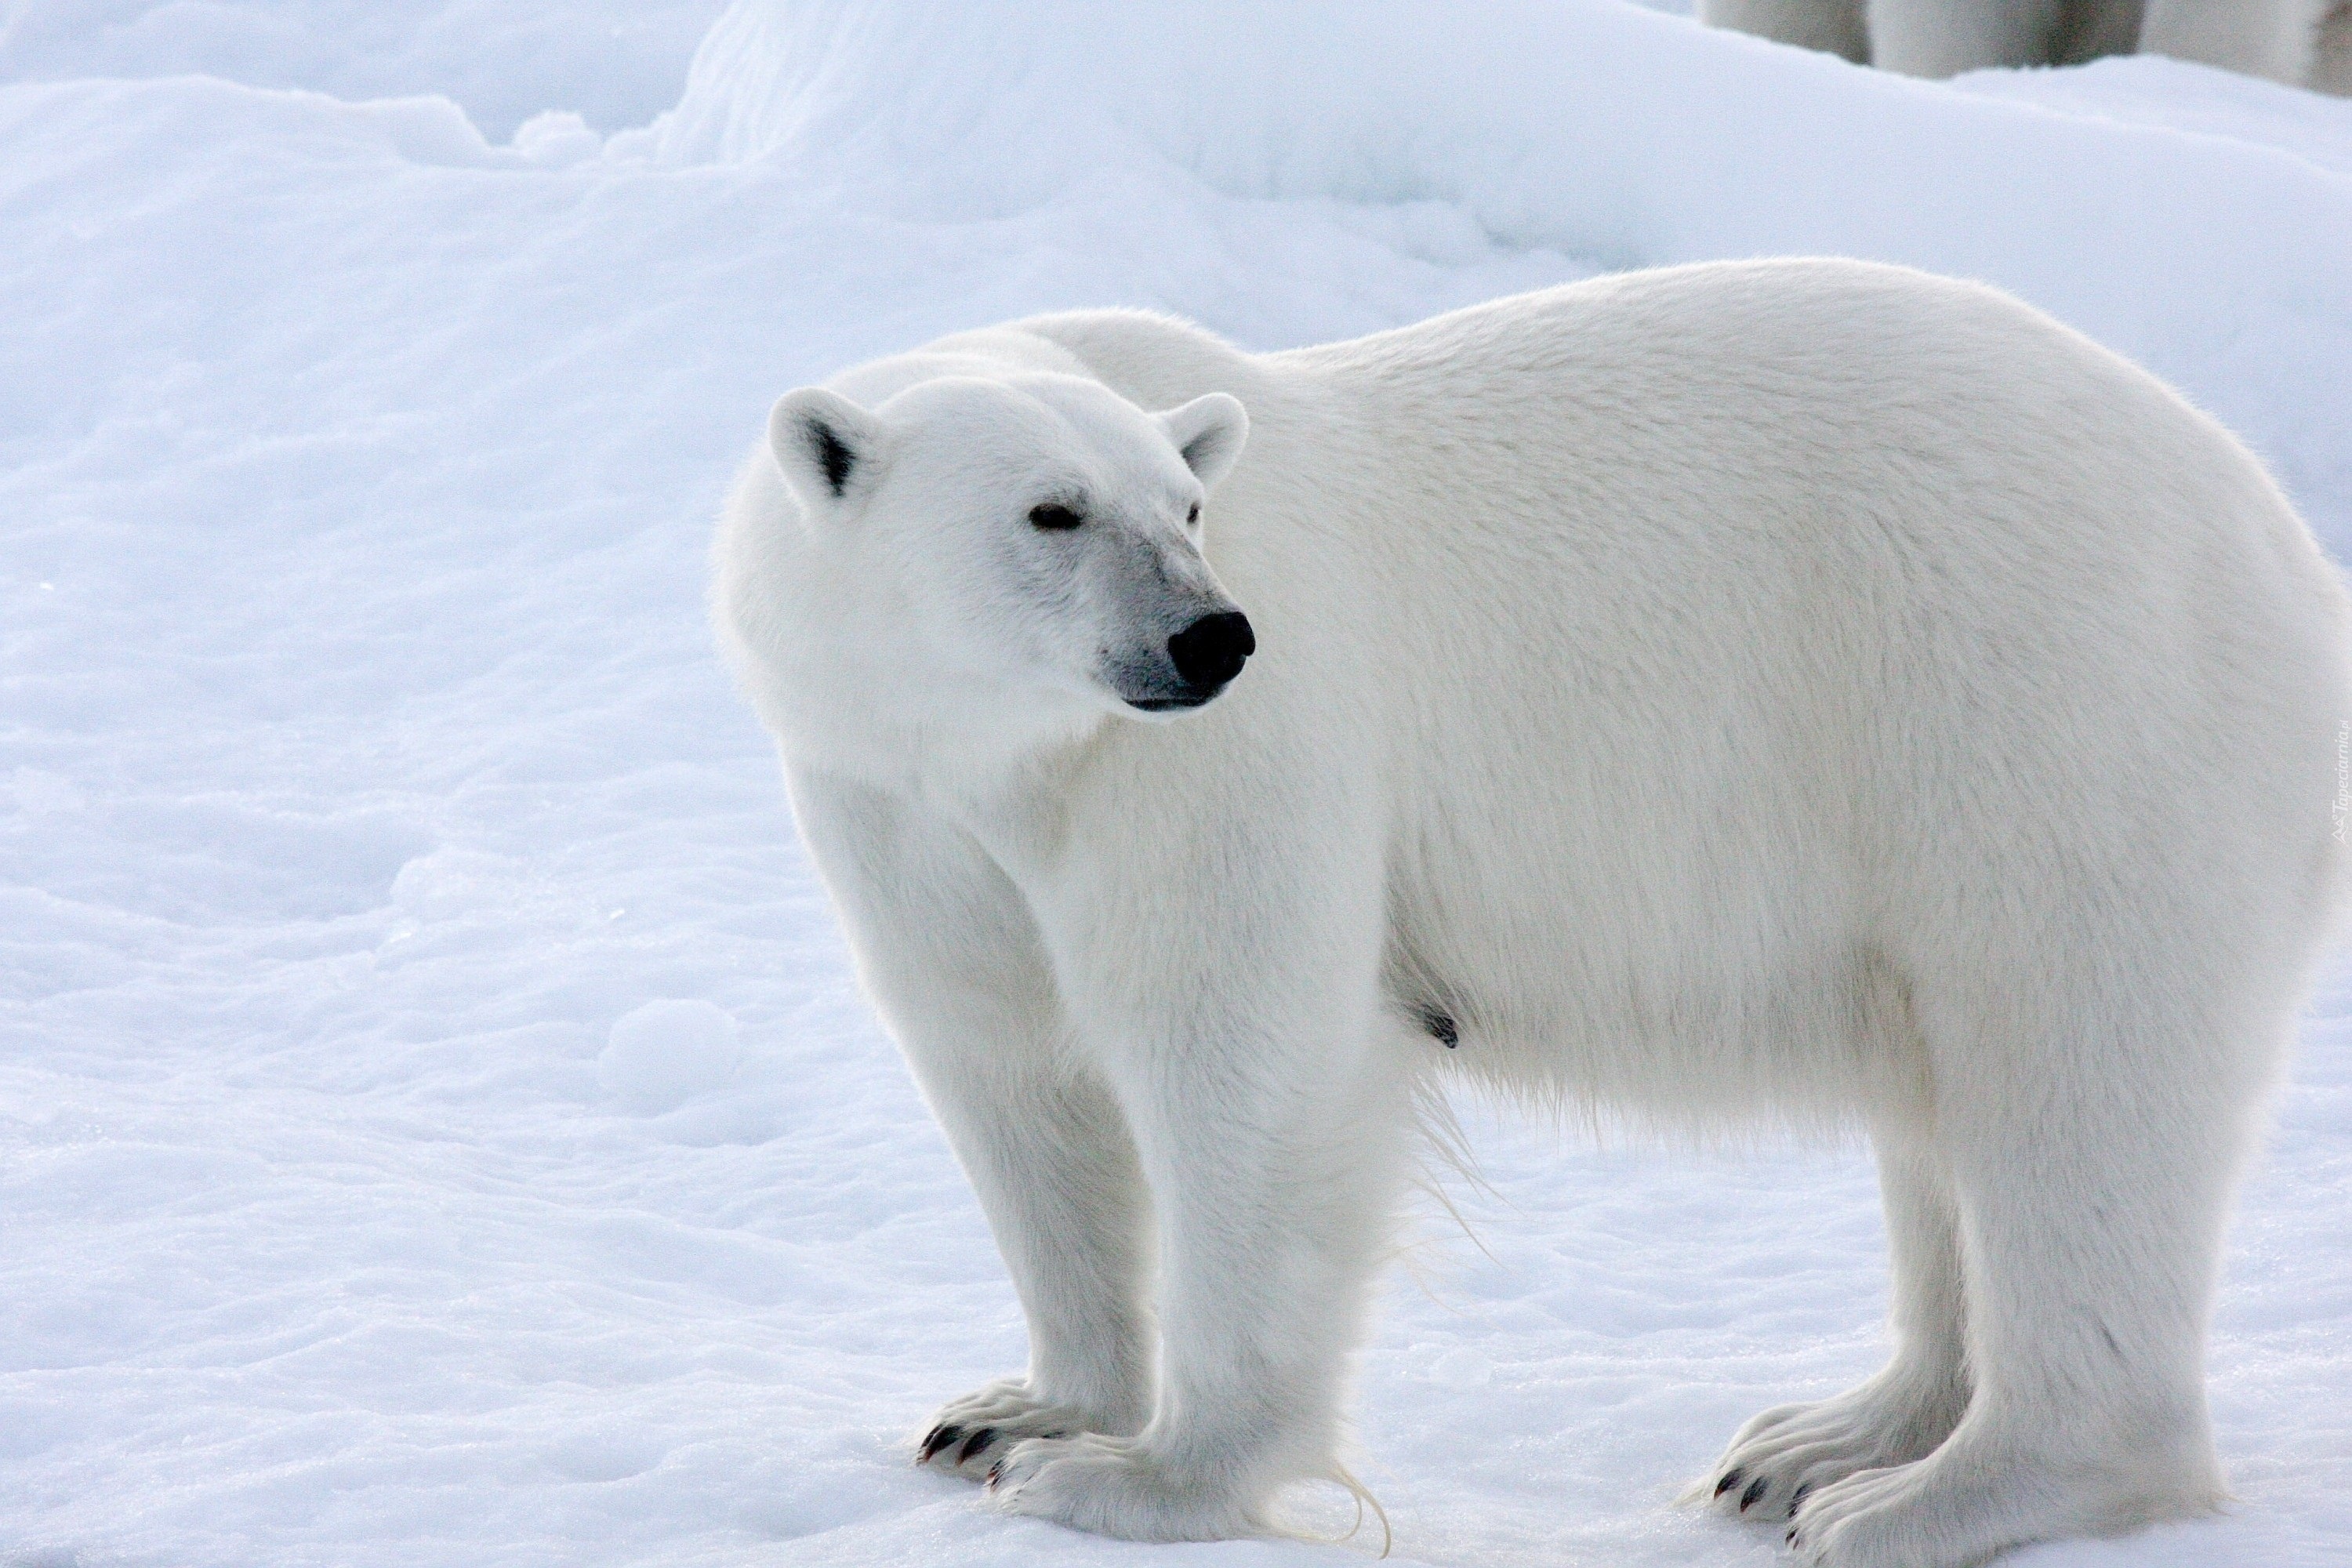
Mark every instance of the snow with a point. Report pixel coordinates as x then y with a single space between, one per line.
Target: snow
614 62
437 1122
663 1054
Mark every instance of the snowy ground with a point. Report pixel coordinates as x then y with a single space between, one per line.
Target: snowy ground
436 1125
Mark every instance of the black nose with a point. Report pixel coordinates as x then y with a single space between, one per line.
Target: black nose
1210 651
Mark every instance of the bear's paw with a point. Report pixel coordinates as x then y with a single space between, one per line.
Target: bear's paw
1788 1454
1112 1486
1967 1501
971 1434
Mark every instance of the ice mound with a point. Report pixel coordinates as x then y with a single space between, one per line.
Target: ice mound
664 1053
1594 128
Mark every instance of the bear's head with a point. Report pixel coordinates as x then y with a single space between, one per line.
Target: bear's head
1030 533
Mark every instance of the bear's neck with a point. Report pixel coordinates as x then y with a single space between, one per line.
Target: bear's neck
992 761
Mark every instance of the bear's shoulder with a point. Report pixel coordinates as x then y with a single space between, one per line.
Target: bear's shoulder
1152 360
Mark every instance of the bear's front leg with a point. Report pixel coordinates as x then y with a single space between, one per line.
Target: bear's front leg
951 957
1269 1107
1051 1161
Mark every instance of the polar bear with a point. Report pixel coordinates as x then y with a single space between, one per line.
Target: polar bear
2331 55
1803 690
2281 39
1833 27
1943 38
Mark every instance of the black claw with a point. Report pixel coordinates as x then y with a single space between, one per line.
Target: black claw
1730 1480
939 1438
1797 1499
1792 1537
1755 1489
1052 1436
995 1473
975 1443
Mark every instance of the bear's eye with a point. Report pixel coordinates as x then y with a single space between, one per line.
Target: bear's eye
1193 516
1053 514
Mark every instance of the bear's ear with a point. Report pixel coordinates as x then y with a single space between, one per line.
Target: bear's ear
1209 432
828 447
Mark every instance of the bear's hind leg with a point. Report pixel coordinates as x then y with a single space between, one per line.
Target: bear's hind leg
1785 1455
2093 1167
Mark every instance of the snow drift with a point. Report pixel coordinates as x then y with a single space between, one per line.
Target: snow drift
1596 130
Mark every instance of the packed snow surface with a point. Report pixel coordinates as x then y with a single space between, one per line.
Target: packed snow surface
437 1122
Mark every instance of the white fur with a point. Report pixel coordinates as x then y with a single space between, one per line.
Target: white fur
1832 26
2331 59
2273 39
2281 39
1802 689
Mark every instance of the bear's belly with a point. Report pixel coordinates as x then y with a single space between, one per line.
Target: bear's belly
1693 1019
